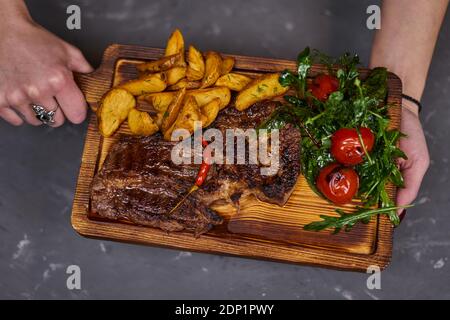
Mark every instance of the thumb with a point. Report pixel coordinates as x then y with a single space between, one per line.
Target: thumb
77 62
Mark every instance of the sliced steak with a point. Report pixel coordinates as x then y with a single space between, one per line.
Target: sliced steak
252 117
230 182
139 182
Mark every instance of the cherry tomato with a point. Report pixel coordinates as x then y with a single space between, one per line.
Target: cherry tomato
338 184
317 92
323 85
346 147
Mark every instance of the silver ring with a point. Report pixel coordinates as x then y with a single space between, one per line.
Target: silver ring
44 116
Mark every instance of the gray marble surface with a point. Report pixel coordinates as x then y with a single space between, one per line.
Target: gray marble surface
39 167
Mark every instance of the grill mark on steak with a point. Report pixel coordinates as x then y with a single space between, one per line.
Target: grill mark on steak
139 182
233 181
252 117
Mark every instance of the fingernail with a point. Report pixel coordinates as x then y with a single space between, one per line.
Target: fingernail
402 215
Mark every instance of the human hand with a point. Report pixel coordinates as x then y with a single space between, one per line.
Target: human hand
415 147
36 68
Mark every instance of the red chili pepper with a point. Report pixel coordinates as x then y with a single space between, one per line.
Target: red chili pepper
205 166
201 175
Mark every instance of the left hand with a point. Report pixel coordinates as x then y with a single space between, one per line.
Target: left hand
36 67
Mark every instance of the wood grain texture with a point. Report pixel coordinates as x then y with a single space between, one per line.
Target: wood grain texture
258 230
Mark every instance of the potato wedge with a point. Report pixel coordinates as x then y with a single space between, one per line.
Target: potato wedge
163 64
196 65
210 111
141 123
205 96
261 88
146 84
113 110
212 69
186 118
175 74
233 81
184 83
227 65
175 44
173 110
160 101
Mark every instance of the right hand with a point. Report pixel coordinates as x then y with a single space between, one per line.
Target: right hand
415 147
36 68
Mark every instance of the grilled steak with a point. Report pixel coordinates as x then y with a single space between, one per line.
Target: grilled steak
249 118
139 182
230 182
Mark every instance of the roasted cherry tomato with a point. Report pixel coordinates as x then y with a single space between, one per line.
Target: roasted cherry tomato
323 85
337 183
346 147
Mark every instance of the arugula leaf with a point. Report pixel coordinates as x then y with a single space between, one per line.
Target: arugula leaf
375 86
347 73
356 104
348 220
287 78
303 63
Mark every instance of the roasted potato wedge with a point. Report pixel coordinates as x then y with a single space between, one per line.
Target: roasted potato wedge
174 75
173 110
227 65
205 96
163 64
213 64
196 65
186 118
210 111
141 123
175 44
184 83
233 81
113 110
147 84
261 88
160 101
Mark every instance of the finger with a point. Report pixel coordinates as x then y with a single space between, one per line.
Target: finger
20 102
72 102
413 176
49 103
27 113
10 116
77 62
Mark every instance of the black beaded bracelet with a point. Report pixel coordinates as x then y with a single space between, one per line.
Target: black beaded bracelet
417 102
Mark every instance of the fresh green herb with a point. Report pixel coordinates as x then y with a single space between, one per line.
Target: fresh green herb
298 81
347 220
372 87
303 63
262 88
347 72
355 104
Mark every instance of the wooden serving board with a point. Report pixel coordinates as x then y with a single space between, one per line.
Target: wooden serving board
259 230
